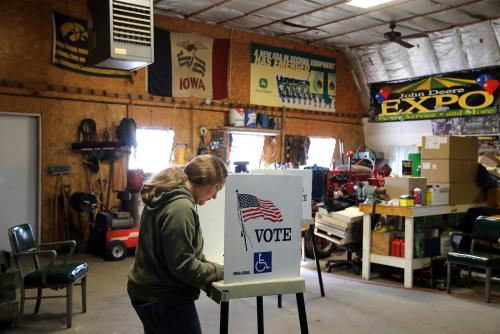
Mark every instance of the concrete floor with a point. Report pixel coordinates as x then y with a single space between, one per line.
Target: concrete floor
351 306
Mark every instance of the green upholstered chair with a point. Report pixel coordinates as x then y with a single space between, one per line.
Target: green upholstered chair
47 272
484 228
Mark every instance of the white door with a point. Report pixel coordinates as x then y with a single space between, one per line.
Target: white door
19 173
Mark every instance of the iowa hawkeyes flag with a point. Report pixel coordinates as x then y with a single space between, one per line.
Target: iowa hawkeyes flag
70 49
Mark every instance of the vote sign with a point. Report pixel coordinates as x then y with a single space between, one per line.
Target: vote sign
262 227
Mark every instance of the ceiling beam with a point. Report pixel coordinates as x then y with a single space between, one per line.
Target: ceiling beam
205 9
426 32
252 11
301 14
399 20
376 9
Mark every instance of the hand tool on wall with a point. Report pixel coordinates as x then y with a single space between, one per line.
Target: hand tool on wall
62 195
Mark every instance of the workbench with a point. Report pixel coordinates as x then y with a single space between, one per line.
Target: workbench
408 263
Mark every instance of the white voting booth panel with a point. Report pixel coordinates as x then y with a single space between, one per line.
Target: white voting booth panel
306 175
212 226
262 227
221 216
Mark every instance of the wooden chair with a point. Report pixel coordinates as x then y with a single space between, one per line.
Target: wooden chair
484 228
49 274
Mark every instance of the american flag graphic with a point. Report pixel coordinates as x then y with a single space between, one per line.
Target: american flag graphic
252 207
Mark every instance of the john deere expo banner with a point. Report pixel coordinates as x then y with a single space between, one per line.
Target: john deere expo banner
455 94
293 79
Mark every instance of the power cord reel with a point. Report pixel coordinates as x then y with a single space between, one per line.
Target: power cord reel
202 148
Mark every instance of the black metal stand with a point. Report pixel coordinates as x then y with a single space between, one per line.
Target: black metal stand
260 315
301 308
224 317
318 267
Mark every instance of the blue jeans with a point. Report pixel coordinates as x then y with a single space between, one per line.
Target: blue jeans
161 318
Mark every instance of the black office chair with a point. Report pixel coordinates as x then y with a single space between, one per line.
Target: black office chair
353 264
352 249
48 275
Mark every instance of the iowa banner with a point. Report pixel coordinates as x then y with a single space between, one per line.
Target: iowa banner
189 65
454 94
289 78
70 49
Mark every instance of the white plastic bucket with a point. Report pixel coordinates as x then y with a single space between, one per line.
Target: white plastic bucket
237 117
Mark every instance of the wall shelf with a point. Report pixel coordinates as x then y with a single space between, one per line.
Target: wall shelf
251 131
96 145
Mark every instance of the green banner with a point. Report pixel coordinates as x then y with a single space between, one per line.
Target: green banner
293 79
456 94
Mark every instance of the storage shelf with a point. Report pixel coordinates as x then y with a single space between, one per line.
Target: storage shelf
427 210
398 262
96 145
251 131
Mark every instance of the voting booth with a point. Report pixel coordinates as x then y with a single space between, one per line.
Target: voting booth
260 221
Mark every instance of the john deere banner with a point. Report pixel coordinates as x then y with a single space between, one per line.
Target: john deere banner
70 49
188 65
466 93
293 79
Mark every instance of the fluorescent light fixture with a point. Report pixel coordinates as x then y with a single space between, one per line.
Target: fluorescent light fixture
366 3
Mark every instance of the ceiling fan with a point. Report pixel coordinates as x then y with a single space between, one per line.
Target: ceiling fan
395 36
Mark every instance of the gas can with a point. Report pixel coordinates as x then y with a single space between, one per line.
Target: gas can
397 247
394 247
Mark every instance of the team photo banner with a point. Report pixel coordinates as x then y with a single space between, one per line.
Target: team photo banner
293 79
454 94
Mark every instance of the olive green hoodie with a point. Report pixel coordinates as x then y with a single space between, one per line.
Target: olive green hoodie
169 263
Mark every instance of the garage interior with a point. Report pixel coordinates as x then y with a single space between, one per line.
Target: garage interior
63 183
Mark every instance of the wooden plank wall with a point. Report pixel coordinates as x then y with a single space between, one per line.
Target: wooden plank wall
29 83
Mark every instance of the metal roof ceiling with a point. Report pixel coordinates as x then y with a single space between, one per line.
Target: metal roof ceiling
448 35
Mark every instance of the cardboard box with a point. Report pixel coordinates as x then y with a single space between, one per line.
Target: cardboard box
381 242
449 147
462 193
449 171
397 186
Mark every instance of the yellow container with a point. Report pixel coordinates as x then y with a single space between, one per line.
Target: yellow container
406 200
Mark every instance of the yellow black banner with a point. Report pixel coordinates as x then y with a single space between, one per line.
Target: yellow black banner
454 94
70 48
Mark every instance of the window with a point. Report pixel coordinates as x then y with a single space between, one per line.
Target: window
321 151
153 151
246 147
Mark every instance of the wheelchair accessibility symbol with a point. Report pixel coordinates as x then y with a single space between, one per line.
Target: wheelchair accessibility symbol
263 262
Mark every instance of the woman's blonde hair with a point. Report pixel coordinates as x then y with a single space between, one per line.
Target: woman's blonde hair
203 170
